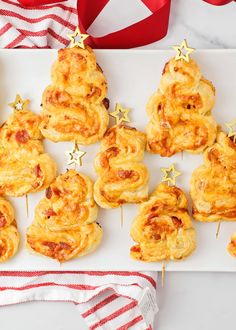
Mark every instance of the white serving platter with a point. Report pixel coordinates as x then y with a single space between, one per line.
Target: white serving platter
133 75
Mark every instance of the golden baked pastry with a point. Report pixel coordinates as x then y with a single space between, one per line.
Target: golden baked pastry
232 245
163 229
122 178
9 236
21 132
180 111
75 104
64 226
213 185
24 167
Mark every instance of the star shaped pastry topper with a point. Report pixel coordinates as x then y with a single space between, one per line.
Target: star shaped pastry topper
120 114
183 51
75 155
19 104
77 39
232 129
170 174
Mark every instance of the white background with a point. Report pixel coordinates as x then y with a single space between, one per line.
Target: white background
189 300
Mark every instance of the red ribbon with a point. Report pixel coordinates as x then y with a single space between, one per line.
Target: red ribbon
219 2
35 3
144 32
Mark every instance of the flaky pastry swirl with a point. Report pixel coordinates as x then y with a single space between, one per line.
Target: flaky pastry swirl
163 229
9 235
122 178
180 111
213 185
75 104
64 225
24 167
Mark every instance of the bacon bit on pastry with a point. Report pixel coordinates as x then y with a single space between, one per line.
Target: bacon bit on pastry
125 174
50 245
177 222
135 249
64 246
3 220
50 213
35 185
157 237
38 171
56 249
48 193
165 67
106 103
151 216
22 136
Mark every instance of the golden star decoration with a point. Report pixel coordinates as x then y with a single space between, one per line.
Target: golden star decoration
75 155
170 174
77 39
232 129
120 114
19 104
183 51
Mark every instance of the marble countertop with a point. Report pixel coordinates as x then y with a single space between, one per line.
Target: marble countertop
189 300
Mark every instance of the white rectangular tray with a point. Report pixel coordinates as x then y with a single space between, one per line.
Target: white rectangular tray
133 75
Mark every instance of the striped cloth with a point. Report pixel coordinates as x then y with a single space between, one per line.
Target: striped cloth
41 27
106 300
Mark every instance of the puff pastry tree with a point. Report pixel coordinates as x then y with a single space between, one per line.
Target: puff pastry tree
122 178
180 111
213 185
64 226
163 229
24 167
9 235
75 104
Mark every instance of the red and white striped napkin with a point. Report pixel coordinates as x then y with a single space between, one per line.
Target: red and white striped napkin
106 300
36 27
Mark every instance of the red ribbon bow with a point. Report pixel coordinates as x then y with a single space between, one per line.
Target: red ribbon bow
144 32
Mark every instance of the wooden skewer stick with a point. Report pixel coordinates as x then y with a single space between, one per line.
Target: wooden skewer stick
121 216
163 274
27 205
182 155
218 229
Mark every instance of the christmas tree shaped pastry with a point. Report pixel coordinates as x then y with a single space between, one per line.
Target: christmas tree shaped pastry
24 167
163 229
64 226
74 106
122 178
180 111
9 235
213 184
